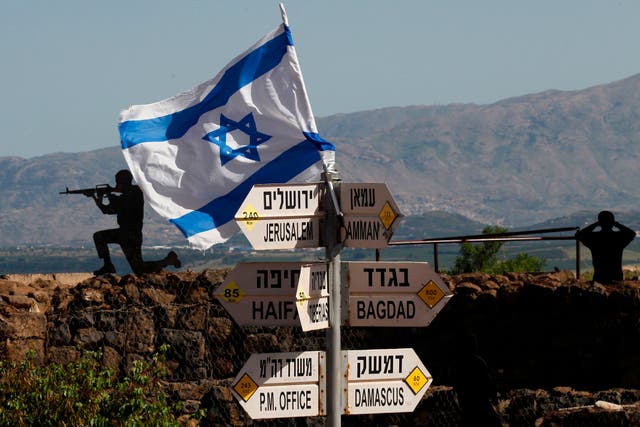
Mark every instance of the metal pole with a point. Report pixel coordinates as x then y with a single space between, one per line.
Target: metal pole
334 350
435 258
578 259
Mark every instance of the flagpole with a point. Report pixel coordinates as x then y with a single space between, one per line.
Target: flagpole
334 376
334 397
283 12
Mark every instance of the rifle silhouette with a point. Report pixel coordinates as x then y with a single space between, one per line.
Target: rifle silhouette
100 190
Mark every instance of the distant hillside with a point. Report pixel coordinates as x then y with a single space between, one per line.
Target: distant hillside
517 162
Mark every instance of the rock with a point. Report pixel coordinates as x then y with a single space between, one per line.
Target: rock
59 333
22 302
562 276
192 318
491 285
92 296
220 329
609 406
158 297
261 343
88 338
468 288
62 355
20 348
17 324
188 348
111 358
132 292
140 332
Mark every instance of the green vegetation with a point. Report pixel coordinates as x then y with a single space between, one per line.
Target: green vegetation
485 257
558 254
83 393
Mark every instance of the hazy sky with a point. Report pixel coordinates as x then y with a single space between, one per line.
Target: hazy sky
70 66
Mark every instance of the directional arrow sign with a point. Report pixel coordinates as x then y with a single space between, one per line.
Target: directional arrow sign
282 216
262 293
313 297
384 381
370 215
393 293
282 385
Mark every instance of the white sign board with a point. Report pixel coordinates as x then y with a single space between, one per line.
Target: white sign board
281 200
313 297
370 215
384 381
262 293
282 233
282 385
281 216
407 294
365 198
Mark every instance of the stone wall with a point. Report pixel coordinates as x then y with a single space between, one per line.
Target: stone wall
551 342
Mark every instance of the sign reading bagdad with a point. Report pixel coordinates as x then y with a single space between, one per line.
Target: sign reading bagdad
393 293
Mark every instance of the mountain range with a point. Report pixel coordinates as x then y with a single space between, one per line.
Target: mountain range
520 161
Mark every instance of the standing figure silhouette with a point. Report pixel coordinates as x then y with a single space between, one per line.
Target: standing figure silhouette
606 246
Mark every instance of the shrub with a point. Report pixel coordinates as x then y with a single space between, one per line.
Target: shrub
484 257
83 393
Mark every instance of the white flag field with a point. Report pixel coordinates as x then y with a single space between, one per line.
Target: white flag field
196 155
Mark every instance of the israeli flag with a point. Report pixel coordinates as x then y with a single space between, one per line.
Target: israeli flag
197 155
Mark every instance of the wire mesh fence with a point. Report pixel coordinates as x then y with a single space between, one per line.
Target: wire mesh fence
129 318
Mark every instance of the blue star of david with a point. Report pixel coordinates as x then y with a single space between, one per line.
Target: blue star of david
246 125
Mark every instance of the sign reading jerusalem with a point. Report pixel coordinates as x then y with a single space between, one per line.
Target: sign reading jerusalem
281 216
370 215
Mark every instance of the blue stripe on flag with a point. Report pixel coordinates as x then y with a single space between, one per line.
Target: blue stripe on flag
173 126
321 143
223 209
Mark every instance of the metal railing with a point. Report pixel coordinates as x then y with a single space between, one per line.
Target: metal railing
511 236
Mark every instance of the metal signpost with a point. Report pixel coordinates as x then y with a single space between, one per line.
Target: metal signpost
334 333
282 385
370 215
335 382
383 381
283 216
408 294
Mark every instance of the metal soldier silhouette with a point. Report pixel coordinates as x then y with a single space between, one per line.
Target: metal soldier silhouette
606 246
129 209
